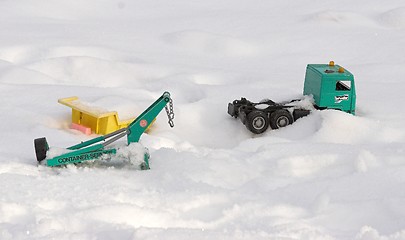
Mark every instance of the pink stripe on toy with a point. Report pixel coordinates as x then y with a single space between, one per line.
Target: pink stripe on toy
81 128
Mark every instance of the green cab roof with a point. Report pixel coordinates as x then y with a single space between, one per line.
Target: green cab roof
331 71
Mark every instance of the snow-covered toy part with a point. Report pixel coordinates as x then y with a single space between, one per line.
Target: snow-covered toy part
97 148
331 87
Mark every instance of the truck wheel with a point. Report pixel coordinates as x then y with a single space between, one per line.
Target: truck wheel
280 118
257 122
41 147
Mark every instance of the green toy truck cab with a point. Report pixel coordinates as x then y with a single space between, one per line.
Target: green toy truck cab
331 86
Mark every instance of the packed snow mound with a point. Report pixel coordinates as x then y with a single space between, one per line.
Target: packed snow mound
369 233
342 18
339 127
70 11
394 18
21 75
76 65
80 71
329 175
210 43
20 53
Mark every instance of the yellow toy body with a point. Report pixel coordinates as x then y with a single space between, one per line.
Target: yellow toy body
98 120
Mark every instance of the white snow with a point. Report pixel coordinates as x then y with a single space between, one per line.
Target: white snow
330 175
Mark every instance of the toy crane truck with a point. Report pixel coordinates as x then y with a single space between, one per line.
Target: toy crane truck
97 148
331 87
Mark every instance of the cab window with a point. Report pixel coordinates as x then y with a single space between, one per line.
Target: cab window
343 85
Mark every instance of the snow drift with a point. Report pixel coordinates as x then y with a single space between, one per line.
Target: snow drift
330 175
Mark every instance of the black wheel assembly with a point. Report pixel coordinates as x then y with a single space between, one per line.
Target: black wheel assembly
257 122
280 118
41 147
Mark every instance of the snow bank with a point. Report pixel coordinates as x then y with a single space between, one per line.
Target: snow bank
343 18
204 42
330 175
394 18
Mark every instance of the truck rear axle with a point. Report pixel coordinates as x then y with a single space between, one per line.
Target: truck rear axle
257 117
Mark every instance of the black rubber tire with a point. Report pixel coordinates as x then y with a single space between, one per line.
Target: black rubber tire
280 118
143 166
257 122
41 147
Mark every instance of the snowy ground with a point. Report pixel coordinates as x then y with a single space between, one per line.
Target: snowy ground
330 175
